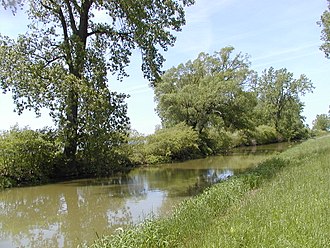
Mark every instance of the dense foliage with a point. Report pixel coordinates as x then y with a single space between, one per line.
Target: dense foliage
27 156
179 142
211 90
222 99
62 62
35 156
279 104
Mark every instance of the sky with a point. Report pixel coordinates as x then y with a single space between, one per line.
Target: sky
281 34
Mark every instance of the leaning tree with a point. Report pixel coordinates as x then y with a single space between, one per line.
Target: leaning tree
62 61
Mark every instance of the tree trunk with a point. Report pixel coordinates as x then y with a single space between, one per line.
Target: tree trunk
76 63
71 130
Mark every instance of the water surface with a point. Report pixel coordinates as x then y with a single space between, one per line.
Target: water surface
69 213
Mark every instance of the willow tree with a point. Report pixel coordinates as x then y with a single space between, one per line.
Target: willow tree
62 62
210 89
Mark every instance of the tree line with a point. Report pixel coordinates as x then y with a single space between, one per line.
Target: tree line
217 102
207 105
61 63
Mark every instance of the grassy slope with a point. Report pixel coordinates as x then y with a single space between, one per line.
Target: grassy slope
290 211
282 203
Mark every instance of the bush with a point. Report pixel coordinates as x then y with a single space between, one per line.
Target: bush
135 148
26 157
176 143
219 141
265 135
318 133
216 141
102 154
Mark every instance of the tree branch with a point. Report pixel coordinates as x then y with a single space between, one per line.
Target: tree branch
71 16
49 61
66 38
46 6
83 22
107 32
76 5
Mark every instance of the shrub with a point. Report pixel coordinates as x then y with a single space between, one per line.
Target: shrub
26 156
135 148
318 133
176 143
102 154
216 141
265 134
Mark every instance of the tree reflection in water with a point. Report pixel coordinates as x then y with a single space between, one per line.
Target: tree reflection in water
67 214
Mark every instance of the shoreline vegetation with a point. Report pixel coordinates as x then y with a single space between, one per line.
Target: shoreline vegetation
34 157
207 106
282 202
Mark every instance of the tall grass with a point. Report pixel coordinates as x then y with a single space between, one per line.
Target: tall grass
290 211
281 203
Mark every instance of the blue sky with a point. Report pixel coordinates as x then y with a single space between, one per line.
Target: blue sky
281 33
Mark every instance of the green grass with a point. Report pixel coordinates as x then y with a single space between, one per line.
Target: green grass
290 211
284 202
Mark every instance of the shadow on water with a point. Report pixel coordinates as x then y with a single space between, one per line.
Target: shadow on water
66 214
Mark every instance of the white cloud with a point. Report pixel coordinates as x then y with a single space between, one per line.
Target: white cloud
290 53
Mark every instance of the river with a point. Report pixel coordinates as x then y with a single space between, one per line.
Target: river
69 213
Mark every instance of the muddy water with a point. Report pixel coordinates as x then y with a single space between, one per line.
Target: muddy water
70 213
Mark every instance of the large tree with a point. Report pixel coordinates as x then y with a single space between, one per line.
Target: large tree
279 100
211 89
62 62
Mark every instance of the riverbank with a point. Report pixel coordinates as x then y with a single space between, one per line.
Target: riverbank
282 202
35 157
72 217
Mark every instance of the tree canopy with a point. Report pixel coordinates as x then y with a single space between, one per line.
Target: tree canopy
210 89
62 62
227 103
279 99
